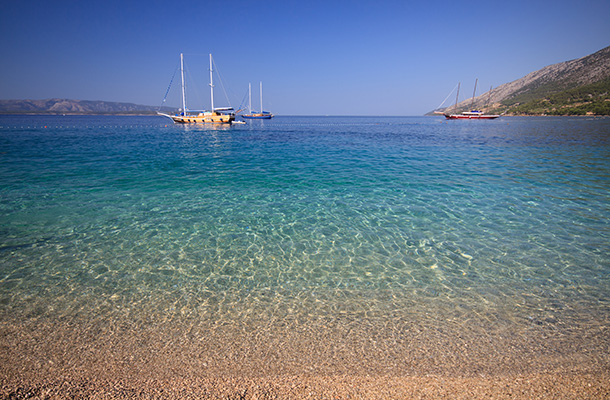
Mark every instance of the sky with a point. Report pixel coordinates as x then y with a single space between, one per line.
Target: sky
314 57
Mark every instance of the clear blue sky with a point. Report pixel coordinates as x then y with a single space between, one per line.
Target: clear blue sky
314 57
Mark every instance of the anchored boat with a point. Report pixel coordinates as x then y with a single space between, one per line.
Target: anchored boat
472 114
253 114
220 115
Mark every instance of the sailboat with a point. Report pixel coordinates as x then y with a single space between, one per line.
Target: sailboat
256 115
216 115
472 114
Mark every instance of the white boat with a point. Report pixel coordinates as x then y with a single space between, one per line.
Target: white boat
216 115
472 114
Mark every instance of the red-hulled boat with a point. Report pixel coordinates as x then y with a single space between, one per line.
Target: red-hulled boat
473 114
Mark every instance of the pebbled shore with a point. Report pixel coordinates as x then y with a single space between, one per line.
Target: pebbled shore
72 360
535 386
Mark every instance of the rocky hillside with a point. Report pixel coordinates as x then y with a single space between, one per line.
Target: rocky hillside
64 106
575 87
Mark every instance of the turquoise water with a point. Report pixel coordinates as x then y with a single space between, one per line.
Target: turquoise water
372 219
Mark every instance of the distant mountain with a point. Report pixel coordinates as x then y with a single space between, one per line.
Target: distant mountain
65 106
576 87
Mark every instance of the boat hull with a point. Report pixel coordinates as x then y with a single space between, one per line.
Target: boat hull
257 116
457 116
203 118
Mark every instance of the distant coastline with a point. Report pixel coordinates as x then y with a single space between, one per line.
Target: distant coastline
118 114
57 106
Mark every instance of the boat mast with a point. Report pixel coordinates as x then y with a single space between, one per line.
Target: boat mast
249 98
211 84
261 97
183 93
457 96
473 93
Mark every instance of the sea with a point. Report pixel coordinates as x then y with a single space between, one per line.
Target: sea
305 243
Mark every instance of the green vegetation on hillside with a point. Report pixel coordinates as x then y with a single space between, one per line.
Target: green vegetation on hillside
593 99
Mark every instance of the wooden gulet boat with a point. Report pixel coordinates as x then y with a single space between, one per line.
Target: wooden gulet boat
220 115
256 115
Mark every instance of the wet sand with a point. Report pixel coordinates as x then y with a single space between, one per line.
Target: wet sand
331 359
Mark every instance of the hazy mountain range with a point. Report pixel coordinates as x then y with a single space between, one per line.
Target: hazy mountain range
576 87
65 106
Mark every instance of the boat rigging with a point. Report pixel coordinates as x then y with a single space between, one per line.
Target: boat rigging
216 115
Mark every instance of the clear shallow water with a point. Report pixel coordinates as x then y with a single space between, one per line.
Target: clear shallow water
379 221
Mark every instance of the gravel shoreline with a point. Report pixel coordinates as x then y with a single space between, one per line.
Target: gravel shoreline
534 386
334 358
